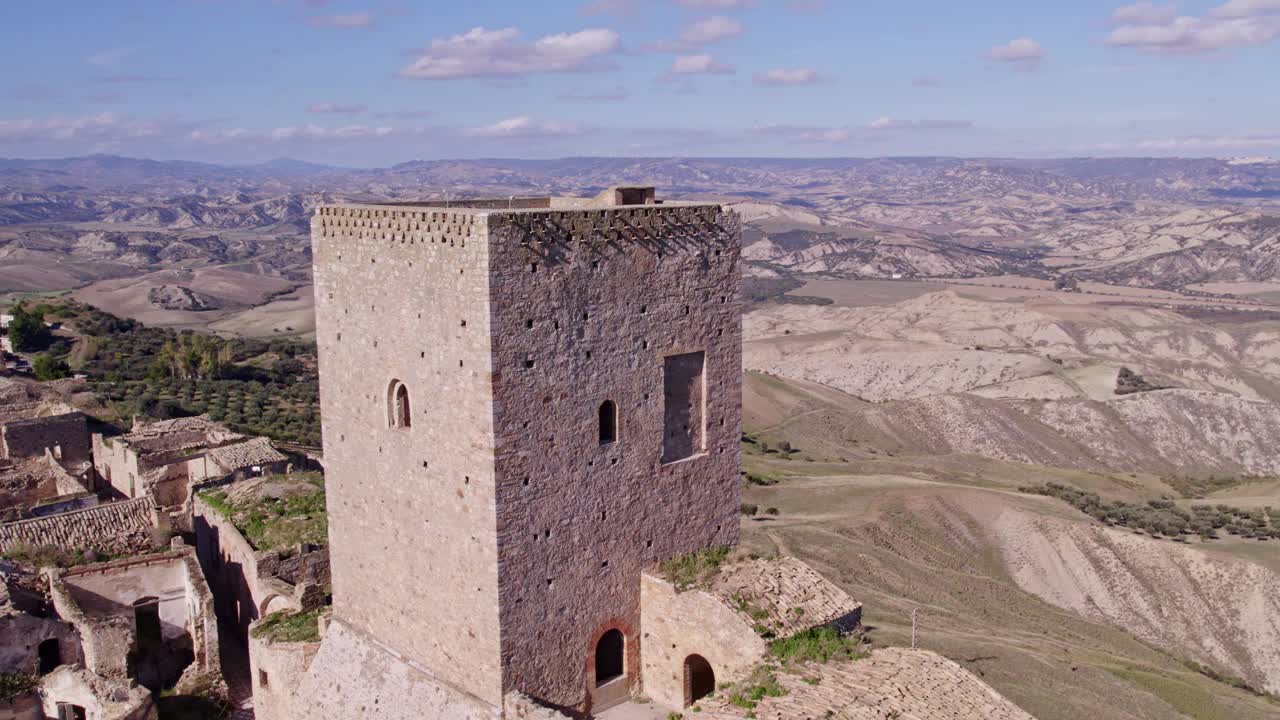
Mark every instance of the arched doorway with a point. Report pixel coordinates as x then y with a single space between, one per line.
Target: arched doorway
609 685
610 657
50 654
699 679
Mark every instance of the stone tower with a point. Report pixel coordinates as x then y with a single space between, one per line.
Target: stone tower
525 403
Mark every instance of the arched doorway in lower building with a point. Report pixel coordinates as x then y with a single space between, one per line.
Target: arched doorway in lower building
699 679
611 653
609 671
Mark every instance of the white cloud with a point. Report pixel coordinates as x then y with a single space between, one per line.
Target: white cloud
616 94
303 132
1144 13
336 109
1263 139
351 20
610 7
108 58
1022 52
700 33
709 30
1159 29
806 134
525 127
701 64
807 6
715 4
105 126
403 115
480 52
783 76
890 123
1247 9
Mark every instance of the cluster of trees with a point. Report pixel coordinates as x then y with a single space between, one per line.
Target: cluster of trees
191 356
27 331
262 387
1164 517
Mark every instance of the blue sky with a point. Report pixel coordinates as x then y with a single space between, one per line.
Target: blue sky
375 82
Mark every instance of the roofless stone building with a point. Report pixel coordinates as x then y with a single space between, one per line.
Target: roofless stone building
525 402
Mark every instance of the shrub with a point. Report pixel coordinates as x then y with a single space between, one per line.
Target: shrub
771 511
760 684
15 684
694 568
748 509
820 645
288 626
46 367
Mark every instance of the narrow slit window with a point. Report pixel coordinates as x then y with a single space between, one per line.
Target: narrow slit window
398 411
608 422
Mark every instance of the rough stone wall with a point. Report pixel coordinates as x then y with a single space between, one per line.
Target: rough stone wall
353 676
22 707
401 295
586 307
102 699
305 566
98 600
119 527
117 465
20 638
67 436
277 669
679 624
245 580
104 645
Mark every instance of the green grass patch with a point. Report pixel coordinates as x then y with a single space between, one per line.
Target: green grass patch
762 683
817 645
286 626
39 556
278 523
14 684
1182 696
696 568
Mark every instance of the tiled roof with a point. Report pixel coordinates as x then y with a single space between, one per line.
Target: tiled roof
782 594
255 451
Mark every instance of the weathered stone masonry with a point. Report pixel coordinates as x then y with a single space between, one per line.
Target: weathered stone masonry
515 530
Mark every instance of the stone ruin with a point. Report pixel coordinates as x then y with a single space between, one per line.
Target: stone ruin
528 405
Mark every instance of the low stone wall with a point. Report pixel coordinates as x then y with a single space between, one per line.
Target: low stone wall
126 526
21 634
353 676
678 624
22 707
102 699
66 436
243 579
278 669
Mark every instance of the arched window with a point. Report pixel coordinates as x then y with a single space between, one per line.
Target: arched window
608 422
609 656
398 414
699 679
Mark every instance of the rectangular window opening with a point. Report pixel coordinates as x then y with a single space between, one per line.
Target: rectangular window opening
684 412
